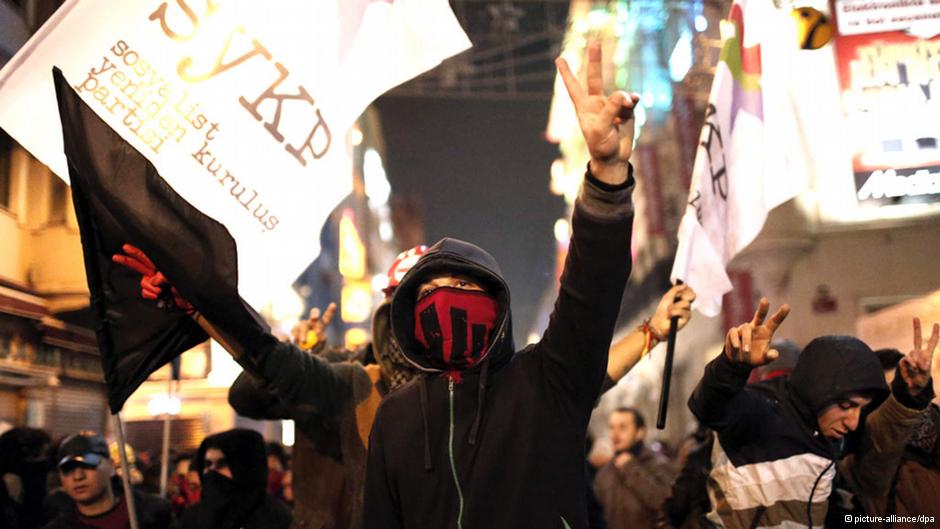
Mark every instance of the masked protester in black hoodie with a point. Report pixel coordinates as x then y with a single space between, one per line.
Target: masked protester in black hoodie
489 437
780 443
233 469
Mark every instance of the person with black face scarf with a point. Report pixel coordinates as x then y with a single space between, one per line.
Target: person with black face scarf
488 437
233 470
779 444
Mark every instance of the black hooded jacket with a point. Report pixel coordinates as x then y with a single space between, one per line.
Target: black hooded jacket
504 448
770 464
242 502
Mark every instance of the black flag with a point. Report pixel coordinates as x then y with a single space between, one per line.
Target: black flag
120 198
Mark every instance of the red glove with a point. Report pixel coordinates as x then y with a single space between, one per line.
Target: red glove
153 284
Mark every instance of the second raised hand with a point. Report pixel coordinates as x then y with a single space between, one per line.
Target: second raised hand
749 343
915 366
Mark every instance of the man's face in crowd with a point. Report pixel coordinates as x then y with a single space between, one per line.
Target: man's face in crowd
84 483
215 460
623 431
843 417
447 280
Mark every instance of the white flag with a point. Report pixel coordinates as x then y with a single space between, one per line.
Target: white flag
242 106
750 157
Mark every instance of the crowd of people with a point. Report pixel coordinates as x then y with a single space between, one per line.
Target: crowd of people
441 422
813 437
235 479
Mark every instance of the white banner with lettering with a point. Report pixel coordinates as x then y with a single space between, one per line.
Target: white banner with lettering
242 106
752 153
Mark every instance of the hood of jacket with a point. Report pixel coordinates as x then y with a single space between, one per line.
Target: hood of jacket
456 257
831 368
244 451
396 369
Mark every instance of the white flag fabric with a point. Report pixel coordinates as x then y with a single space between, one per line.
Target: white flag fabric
750 157
242 106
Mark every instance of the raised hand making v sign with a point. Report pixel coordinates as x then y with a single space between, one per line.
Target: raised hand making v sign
915 366
606 122
749 343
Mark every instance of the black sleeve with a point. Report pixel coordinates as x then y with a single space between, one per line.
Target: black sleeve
380 498
251 397
719 401
575 345
303 383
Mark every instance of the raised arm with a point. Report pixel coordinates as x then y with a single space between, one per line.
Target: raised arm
300 380
251 397
629 350
888 429
574 347
718 401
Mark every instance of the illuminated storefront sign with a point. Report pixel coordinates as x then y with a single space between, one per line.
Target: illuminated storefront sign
892 185
857 17
890 87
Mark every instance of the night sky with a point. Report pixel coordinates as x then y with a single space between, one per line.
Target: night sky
480 169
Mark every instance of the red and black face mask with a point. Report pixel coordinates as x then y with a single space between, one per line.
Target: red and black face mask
455 326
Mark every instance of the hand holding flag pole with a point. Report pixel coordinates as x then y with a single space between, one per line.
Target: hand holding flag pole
667 367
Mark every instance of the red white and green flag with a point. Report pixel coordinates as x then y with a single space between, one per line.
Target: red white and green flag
749 158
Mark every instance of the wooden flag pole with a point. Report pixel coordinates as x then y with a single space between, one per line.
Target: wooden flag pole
165 452
217 335
125 470
667 369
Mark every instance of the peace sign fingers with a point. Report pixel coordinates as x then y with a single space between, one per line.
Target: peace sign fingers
777 318
575 92
595 77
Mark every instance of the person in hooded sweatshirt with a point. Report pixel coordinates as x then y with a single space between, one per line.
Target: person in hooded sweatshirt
779 444
233 470
332 402
490 437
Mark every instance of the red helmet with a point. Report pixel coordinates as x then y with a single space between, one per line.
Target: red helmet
401 265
